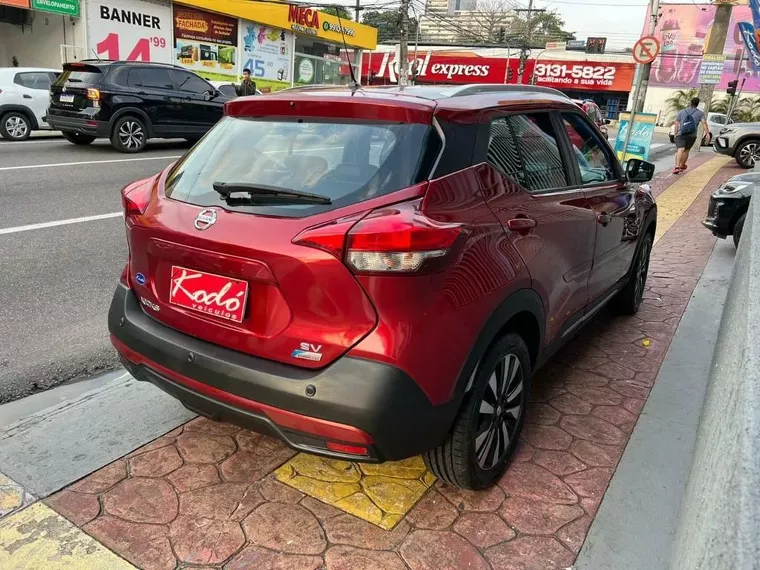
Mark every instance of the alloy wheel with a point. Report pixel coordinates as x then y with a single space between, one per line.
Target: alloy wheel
750 154
499 414
16 127
131 135
642 270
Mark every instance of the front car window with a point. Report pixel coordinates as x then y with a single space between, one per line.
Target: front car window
589 151
524 148
348 162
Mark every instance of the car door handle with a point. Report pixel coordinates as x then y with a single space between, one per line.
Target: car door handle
604 219
521 225
27 96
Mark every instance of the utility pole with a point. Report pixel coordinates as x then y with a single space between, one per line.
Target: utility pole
714 46
525 52
646 70
358 9
403 52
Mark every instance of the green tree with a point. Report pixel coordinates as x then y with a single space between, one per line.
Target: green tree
680 99
544 27
339 11
721 105
747 110
388 24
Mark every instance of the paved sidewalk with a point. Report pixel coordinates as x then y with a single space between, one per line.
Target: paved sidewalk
212 495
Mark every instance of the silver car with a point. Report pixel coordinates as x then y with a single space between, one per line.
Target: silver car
715 121
742 141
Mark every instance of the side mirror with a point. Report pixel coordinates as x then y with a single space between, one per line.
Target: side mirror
638 170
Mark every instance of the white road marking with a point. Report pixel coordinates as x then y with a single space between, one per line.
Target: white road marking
30 166
44 225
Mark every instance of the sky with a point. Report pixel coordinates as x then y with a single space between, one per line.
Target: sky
620 21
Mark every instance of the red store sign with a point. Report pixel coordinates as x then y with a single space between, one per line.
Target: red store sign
434 68
565 75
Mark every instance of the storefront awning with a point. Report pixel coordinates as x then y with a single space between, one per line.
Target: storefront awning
299 19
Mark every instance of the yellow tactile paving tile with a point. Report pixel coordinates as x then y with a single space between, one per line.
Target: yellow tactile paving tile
37 538
380 494
674 201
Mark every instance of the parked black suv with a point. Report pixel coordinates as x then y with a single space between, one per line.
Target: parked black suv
131 102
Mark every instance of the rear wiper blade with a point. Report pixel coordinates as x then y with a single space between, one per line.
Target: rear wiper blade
262 193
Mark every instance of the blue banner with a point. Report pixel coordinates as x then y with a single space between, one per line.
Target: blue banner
747 31
641 136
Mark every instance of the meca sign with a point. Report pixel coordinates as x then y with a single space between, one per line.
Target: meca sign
440 69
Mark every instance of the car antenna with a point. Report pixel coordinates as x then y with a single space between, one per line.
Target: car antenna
354 83
95 54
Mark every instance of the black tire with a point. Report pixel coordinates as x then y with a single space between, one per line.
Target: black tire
629 299
77 138
738 230
129 134
476 450
15 126
748 153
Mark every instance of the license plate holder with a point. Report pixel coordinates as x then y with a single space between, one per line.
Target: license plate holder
66 99
207 293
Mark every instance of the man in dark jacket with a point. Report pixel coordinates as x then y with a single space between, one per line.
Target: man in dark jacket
248 86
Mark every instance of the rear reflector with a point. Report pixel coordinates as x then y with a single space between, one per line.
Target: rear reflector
349 449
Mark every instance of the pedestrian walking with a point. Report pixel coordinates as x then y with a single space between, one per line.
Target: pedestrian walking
687 123
248 86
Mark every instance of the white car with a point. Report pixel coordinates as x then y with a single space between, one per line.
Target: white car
24 99
716 121
227 88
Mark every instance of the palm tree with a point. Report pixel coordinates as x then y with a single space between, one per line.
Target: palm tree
748 110
721 105
680 99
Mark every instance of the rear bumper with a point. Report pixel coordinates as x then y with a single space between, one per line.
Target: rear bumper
82 125
352 402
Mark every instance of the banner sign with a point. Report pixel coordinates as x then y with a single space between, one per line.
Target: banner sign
586 76
15 3
132 30
206 42
711 70
266 52
641 135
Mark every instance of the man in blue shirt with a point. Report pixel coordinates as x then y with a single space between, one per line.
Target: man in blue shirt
687 124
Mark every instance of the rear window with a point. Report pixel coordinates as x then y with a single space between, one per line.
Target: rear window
85 76
348 162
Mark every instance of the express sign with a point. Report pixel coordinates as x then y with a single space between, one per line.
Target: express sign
591 76
438 68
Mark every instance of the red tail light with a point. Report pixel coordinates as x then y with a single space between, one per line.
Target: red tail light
396 239
135 198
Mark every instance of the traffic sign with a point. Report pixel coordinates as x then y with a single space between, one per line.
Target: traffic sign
646 50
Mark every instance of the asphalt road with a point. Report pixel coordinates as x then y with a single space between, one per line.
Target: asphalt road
56 282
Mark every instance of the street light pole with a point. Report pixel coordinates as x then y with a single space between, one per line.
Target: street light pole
403 52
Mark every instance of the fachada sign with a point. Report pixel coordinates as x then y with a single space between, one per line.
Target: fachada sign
434 68
304 20
585 76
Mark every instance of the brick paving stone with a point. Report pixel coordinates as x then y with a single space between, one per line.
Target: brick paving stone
156 463
593 429
483 529
287 528
536 517
217 502
591 482
596 454
530 553
194 476
349 558
321 510
542 414
546 437
478 501
209 426
574 534
199 540
440 550
523 453
102 480
199 447
351 531
616 415
273 490
432 512
533 482
571 404
144 545
558 462
256 558
596 395
142 500
79 508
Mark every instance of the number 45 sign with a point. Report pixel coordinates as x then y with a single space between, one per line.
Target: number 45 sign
134 30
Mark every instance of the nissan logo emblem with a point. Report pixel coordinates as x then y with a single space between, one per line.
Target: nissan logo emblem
205 219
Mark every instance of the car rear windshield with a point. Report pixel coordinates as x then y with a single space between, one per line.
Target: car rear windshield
347 162
79 75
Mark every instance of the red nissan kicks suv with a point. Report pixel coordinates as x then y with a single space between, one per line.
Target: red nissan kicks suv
371 274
